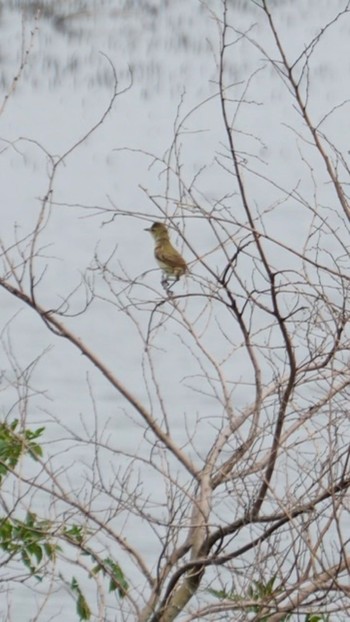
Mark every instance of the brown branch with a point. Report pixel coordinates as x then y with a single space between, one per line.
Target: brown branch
289 68
62 331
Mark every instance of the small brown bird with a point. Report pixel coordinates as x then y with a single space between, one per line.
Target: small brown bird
168 258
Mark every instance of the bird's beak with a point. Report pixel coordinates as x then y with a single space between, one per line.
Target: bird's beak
148 229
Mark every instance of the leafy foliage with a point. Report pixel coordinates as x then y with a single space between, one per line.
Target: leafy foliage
117 580
261 593
75 533
29 539
83 608
14 443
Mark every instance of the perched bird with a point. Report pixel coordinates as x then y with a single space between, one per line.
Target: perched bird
168 258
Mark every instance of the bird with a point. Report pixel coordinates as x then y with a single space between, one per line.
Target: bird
168 258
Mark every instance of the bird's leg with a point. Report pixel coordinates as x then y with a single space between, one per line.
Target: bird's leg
164 281
166 285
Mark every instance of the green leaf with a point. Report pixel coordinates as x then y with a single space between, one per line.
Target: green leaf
14 443
117 582
75 533
50 550
26 561
30 519
30 434
35 451
83 608
30 540
36 551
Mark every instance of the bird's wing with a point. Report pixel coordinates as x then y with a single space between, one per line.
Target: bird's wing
168 254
